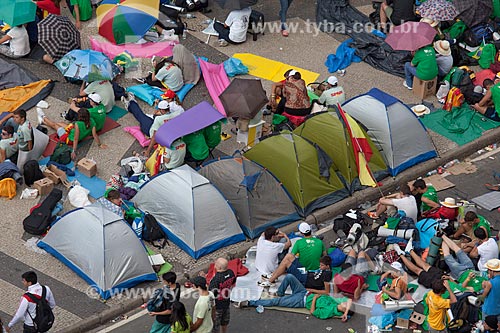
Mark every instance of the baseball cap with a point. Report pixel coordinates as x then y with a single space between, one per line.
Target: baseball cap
198 281
332 80
169 94
95 97
292 72
304 228
397 266
163 105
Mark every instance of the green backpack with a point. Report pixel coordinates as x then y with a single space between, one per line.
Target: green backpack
62 154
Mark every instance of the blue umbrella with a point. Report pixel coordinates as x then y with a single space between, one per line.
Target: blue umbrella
87 65
17 12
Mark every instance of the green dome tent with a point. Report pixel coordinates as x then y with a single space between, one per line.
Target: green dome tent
305 170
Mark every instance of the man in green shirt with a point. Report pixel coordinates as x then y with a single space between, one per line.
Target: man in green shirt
97 111
492 95
424 66
212 134
196 145
470 223
429 195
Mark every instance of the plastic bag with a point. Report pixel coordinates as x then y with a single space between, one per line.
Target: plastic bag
78 196
234 67
29 193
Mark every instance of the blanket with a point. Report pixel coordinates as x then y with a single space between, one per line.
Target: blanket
235 265
147 50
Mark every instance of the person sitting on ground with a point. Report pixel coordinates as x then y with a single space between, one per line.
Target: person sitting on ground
166 74
429 197
187 63
81 10
355 271
490 324
326 308
444 58
398 11
447 210
423 66
403 200
164 115
96 109
102 88
399 285
297 99
277 94
457 266
75 132
174 103
492 95
269 249
491 293
234 29
334 94
24 131
484 248
8 144
18 43
469 224
197 147
438 305
112 201
305 255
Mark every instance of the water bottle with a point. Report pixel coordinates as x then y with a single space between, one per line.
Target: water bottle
259 309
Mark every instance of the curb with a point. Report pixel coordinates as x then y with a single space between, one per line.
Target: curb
318 216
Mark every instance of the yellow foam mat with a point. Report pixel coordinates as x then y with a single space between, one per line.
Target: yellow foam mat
271 69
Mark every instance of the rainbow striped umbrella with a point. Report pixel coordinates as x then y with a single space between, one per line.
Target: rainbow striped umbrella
126 21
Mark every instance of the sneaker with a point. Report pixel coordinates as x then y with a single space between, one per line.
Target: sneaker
406 86
140 79
40 115
265 284
380 261
242 304
223 42
131 97
265 277
125 101
398 250
63 115
409 246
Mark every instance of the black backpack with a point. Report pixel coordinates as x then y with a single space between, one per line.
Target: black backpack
151 230
40 218
44 317
32 172
62 154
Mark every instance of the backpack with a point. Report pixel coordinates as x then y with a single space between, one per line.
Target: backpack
61 154
152 231
44 317
256 24
455 98
8 188
32 172
162 299
40 218
463 314
477 34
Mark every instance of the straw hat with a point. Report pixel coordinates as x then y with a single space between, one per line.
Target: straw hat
420 110
449 202
442 47
431 22
493 265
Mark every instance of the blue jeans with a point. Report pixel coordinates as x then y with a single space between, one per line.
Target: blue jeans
459 265
296 272
410 72
285 4
295 300
145 122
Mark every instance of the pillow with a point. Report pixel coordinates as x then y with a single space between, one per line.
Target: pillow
145 92
136 133
184 90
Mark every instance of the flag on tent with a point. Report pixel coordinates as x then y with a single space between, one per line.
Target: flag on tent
361 147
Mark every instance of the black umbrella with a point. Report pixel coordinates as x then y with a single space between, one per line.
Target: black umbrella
243 98
57 35
236 4
473 12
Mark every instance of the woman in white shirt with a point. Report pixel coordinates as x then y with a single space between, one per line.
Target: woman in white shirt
18 43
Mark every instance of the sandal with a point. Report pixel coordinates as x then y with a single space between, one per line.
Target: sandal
284 33
491 187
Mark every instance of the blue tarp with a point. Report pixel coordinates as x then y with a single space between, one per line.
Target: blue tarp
343 58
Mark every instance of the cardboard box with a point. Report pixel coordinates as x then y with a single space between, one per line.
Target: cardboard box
87 167
422 89
44 186
403 320
51 175
59 175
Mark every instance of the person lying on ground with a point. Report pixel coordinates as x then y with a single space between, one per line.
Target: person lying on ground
306 254
24 131
469 224
355 270
322 306
484 248
8 145
112 201
457 266
95 107
297 99
75 132
403 200
399 285
163 115
492 95
234 29
429 197
18 43
166 74
271 244
334 94
102 88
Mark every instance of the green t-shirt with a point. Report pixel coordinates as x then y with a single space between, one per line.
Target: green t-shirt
430 194
483 223
495 96
425 61
84 7
98 114
176 327
196 145
476 283
310 251
84 132
212 134
326 306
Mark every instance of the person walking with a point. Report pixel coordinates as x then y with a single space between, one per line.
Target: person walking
27 308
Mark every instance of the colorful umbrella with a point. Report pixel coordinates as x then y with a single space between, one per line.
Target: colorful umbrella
438 10
87 65
57 35
411 36
235 4
126 21
17 12
243 98
473 12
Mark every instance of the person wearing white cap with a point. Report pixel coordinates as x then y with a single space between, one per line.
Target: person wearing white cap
334 94
444 58
96 109
399 284
103 89
163 116
305 255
